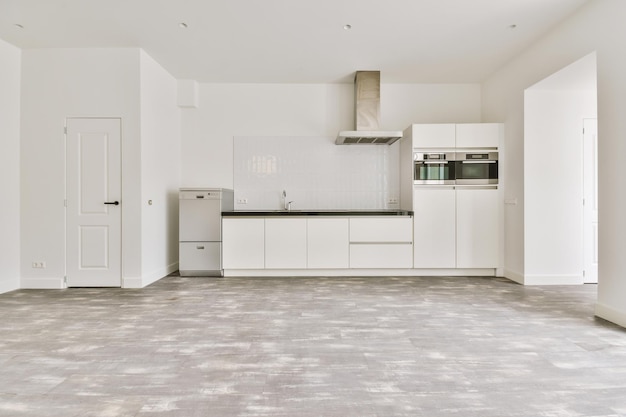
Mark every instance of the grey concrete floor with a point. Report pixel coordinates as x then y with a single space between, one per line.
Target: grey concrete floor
411 346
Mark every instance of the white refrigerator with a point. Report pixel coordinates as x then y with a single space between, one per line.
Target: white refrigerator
200 230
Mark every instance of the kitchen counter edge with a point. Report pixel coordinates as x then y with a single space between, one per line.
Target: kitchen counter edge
282 213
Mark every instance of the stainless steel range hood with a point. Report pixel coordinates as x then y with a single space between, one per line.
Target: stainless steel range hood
367 114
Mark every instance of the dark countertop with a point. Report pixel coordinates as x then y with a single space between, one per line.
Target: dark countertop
271 213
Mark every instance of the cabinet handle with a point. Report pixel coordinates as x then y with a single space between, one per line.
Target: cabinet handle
115 203
199 247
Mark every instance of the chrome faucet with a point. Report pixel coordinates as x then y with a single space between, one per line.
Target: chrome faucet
286 204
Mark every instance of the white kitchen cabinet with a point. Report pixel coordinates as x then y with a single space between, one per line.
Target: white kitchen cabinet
381 255
243 243
432 135
381 242
285 243
434 232
328 243
477 228
478 135
381 229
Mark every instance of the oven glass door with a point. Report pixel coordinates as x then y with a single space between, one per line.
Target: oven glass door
434 172
476 172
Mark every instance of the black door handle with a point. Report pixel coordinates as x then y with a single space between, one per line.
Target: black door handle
115 203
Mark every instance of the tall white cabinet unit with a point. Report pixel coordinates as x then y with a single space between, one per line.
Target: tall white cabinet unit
455 227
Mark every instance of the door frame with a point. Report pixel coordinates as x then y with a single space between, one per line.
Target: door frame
585 217
65 180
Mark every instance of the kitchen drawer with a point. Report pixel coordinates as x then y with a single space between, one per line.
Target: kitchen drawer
381 255
381 229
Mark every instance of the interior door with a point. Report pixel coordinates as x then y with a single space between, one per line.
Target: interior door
590 195
93 213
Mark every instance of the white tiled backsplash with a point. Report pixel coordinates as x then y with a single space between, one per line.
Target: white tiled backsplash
315 173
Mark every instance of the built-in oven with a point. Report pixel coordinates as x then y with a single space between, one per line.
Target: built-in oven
476 167
434 168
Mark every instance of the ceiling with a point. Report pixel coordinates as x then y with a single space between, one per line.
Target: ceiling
295 41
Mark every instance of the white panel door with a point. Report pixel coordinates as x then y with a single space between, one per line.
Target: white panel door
93 214
590 210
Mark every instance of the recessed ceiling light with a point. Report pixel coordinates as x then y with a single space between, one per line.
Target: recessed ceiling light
182 25
347 27
17 25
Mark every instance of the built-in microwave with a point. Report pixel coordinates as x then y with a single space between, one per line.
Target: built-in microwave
434 168
476 167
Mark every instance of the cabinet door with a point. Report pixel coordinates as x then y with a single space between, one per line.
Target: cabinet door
478 135
285 243
477 228
381 255
328 243
434 232
434 135
381 229
243 243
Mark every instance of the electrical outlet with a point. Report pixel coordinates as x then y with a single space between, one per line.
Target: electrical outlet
242 201
392 201
39 265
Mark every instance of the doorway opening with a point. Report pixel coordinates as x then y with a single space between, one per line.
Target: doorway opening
559 177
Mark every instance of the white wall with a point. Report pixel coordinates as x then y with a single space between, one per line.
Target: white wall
553 173
229 110
160 171
10 57
61 83
597 26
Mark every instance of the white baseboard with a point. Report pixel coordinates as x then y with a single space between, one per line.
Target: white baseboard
151 278
610 314
160 273
489 272
132 282
553 280
42 283
543 279
514 276
9 285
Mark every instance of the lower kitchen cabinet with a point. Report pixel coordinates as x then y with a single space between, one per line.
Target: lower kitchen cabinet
243 243
477 231
456 228
434 233
381 242
302 242
285 243
328 244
